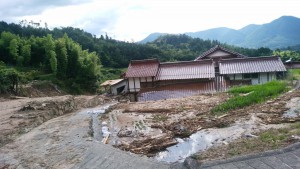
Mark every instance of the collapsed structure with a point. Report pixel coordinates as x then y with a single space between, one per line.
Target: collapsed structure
214 70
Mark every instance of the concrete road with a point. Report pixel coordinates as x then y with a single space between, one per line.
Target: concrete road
64 142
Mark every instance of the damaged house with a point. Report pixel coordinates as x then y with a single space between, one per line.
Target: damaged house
213 71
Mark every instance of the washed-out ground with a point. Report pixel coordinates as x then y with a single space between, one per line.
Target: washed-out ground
151 127
67 142
37 132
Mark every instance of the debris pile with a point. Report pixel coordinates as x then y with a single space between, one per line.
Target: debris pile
179 118
149 146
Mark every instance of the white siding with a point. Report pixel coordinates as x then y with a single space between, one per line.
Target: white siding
143 79
131 84
254 81
263 78
267 77
238 76
218 54
137 84
134 84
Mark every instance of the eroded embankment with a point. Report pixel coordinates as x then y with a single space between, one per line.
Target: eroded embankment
22 115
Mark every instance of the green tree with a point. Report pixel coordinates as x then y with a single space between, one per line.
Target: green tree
26 53
53 62
49 46
13 50
62 58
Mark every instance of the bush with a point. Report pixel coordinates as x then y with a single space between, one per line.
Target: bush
256 94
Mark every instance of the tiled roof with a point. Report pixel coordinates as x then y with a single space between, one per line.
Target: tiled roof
186 70
142 68
216 48
251 65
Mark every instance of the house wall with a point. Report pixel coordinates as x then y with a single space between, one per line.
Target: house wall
114 88
260 79
134 84
218 54
171 82
236 77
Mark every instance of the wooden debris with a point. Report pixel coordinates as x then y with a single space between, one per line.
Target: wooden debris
149 145
104 140
246 94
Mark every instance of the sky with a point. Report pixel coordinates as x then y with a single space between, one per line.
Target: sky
134 20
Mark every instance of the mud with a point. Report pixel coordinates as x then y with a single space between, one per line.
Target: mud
175 120
22 115
204 139
65 142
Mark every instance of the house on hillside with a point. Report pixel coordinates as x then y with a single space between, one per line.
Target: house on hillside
213 71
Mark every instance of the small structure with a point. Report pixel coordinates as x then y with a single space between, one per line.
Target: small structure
115 87
213 71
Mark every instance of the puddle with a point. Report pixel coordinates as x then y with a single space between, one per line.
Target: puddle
99 130
205 139
294 110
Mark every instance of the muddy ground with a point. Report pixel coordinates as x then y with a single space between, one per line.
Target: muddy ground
149 127
19 116
145 127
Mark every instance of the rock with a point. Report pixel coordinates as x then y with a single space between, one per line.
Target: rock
28 107
125 133
180 128
191 163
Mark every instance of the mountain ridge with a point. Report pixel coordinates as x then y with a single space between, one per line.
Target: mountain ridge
279 33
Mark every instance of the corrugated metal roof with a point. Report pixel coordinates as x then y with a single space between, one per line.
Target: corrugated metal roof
216 48
251 65
186 70
142 68
111 82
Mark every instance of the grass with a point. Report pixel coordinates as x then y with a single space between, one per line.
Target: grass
252 94
267 140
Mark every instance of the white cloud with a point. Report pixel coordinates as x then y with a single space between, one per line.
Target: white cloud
135 19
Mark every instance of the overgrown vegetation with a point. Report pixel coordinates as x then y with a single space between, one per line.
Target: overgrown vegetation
111 73
266 140
293 74
63 58
248 95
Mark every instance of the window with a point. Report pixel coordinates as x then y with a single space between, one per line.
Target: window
250 75
246 76
254 75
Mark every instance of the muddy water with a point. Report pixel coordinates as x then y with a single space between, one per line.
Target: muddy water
205 139
98 129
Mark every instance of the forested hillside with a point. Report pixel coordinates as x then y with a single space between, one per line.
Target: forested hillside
80 61
183 47
113 53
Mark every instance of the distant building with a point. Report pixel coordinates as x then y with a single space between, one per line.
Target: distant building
214 70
